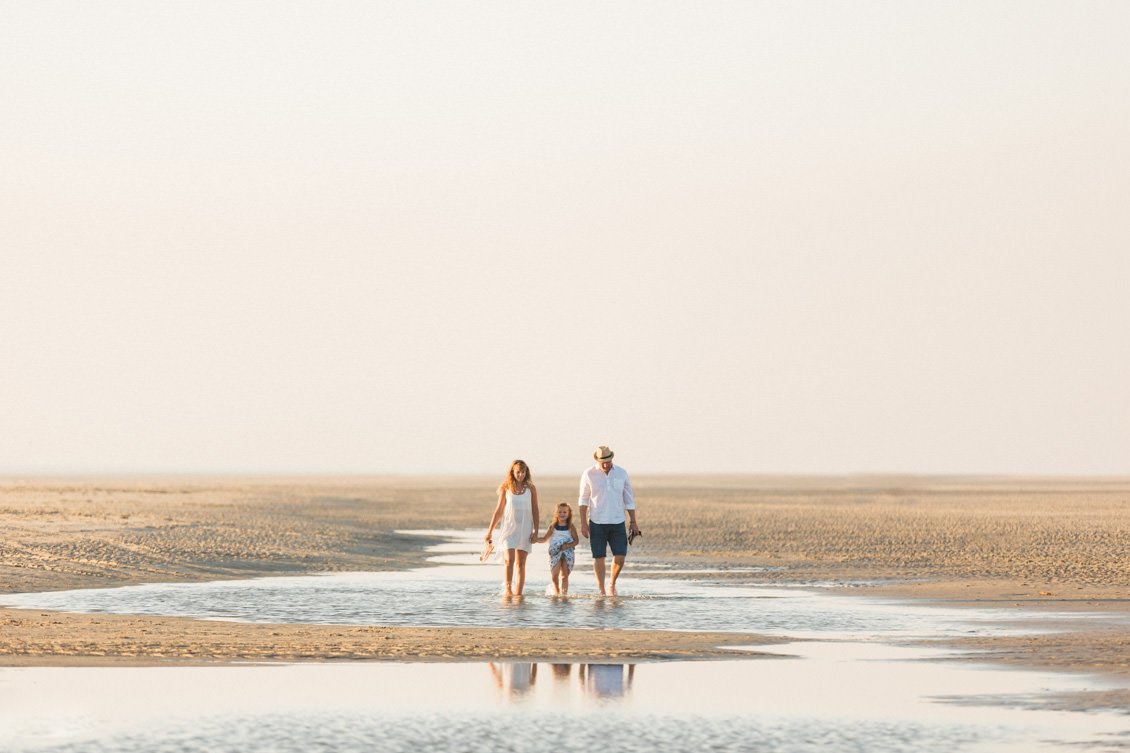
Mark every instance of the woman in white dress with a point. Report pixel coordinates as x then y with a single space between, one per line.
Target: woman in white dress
518 509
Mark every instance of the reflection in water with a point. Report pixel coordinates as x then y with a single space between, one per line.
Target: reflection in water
601 681
514 678
607 680
512 601
609 605
824 702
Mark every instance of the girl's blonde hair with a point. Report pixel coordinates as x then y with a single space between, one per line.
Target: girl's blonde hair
509 482
568 522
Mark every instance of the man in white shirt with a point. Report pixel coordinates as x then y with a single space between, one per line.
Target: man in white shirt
606 495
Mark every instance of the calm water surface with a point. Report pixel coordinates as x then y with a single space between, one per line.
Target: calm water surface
844 689
460 592
868 698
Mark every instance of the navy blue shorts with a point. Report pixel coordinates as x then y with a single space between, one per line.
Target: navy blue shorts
610 535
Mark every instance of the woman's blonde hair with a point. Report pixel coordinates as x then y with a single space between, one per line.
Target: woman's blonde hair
509 482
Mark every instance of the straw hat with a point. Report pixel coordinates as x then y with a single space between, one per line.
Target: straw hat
602 453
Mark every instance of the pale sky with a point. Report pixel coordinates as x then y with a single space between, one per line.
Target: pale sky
425 237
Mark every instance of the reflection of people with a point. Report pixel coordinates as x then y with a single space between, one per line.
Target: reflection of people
562 538
607 680
518 508
605 496
515 677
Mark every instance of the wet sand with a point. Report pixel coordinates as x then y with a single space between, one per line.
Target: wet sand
1056 544
36 638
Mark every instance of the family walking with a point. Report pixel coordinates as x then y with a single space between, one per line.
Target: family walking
604 501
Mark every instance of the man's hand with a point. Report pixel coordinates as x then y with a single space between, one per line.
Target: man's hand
585 528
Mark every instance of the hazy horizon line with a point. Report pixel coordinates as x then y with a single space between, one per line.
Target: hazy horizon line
13 474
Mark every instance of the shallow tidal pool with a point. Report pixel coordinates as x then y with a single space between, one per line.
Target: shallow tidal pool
458 591
843 678
827 697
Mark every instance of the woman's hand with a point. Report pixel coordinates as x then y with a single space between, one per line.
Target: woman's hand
487 537
533 538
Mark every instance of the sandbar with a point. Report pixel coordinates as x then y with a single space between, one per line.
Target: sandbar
1056 544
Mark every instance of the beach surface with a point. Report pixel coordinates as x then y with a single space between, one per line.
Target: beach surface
1032 544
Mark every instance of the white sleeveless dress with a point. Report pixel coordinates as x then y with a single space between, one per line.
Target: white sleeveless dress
517 521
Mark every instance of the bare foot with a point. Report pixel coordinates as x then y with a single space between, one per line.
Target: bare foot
612 590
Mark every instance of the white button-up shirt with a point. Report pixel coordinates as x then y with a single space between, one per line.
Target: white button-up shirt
606 495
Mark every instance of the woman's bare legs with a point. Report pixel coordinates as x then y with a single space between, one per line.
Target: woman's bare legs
521 571
509 560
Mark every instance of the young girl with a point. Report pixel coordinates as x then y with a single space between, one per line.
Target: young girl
518 509
562 538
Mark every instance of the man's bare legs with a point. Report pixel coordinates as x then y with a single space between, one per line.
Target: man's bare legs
617 566
598 568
